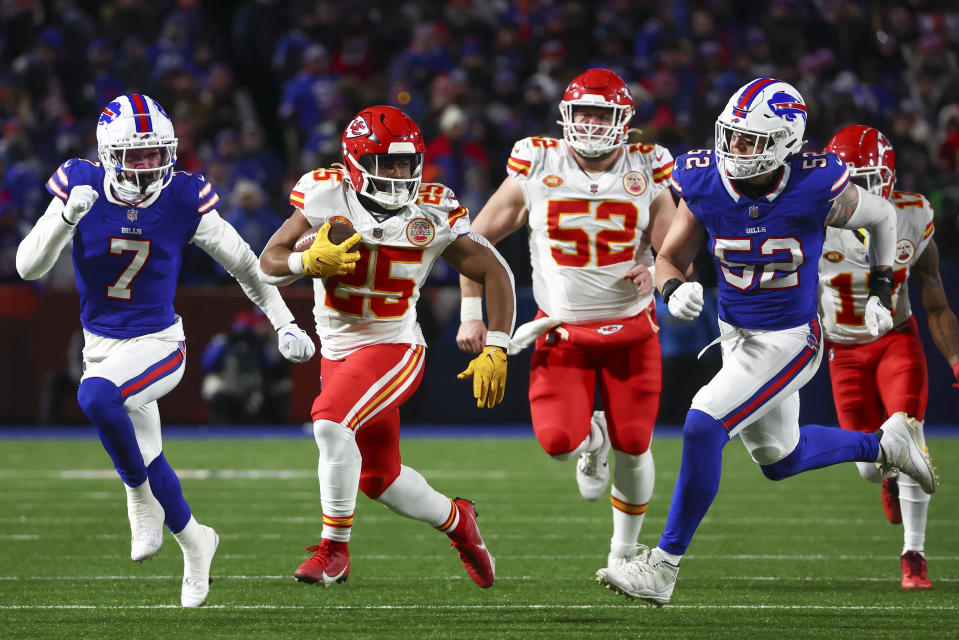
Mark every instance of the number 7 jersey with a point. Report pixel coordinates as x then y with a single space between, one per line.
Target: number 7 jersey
585 232
844 270
376 303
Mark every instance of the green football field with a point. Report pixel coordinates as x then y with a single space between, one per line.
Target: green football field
810 557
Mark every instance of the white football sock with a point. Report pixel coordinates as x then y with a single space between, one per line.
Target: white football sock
338 471
633 480
411 495
869 471
914 504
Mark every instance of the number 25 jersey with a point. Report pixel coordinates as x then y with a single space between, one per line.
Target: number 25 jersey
766 251
844 271
377 302
585 232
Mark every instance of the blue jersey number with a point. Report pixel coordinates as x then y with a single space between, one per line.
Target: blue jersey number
772 275
120 290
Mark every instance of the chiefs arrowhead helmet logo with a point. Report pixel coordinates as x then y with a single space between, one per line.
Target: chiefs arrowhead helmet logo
358 128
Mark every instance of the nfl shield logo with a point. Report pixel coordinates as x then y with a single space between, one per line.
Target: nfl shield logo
131 214
594 188
377 233
753 211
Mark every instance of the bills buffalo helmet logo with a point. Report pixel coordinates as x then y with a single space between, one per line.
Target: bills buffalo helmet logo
109 113
787 107
358 128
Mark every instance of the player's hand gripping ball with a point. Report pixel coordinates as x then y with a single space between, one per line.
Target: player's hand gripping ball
326 249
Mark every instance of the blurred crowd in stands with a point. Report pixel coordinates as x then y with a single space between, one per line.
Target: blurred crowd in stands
260 90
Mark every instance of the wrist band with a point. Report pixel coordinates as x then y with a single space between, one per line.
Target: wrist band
497 339
471 308
669 287
295 263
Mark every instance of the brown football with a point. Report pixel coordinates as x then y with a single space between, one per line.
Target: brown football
339 231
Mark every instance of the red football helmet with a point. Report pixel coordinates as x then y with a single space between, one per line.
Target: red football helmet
868 154
596 88
383 153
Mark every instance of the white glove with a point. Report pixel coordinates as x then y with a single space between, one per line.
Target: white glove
295 344
526 334
686 301
81 199
878 317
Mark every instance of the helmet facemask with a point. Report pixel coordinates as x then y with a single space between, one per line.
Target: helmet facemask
769 150
872 179
594 139
133 183
392 180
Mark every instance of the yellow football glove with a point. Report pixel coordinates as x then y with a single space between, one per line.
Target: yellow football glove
488 371
324 258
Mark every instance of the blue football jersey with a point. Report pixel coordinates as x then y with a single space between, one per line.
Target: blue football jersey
127 258
766 251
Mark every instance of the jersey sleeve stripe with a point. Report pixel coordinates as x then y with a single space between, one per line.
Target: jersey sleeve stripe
61 176
209 204
929 229
840 184
662 173
55 189
676 186
456 214
297 199
519 166
205 190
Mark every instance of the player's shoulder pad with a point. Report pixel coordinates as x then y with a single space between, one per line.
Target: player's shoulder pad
527 153
690 169
315 183
72 173
195 190
657 158
439 200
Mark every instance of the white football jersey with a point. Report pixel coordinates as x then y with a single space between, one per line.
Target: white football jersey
844 270
585 231
377 303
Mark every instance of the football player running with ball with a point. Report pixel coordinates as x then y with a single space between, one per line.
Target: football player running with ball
588 200
373 351
130 215
763 208
876 377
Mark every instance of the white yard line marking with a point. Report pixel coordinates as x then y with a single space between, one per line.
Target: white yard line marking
488 607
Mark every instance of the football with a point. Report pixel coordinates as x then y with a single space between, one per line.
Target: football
339 231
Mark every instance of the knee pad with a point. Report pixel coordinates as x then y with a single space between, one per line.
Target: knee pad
555 442
99 397
334 441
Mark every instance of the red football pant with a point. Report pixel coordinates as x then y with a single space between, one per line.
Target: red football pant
562 387
870 382
364 392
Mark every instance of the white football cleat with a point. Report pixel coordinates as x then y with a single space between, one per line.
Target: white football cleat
146 522
197 559
902 449
592 468
649 577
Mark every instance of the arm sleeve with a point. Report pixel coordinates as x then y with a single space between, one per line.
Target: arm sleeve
40 249
218 238
878 217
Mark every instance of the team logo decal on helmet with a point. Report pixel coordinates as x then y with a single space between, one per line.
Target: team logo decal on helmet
420 232
357 128
634 183
787 107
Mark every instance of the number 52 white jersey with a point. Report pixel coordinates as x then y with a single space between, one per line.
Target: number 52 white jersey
585 231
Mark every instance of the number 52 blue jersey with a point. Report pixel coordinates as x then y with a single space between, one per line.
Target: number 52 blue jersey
127 258
766 251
